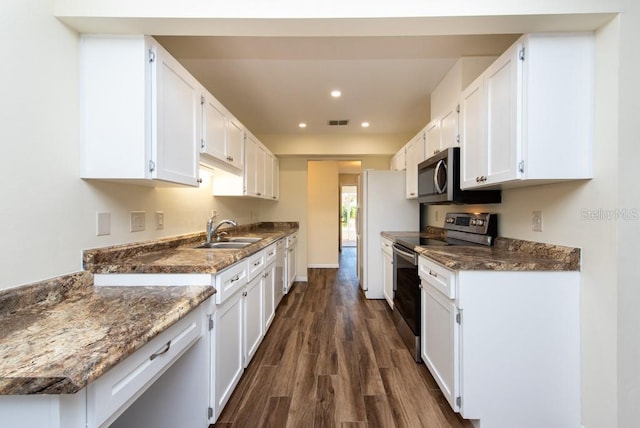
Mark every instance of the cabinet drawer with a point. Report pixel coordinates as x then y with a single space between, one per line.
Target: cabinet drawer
230 280
270 254
111 394
438 276
255 264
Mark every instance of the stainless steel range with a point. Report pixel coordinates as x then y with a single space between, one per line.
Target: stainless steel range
463 229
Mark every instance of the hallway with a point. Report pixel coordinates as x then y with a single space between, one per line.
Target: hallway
334 359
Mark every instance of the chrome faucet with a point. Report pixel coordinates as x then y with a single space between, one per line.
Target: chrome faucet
211 229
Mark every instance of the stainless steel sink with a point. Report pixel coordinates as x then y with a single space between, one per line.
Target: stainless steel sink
224 245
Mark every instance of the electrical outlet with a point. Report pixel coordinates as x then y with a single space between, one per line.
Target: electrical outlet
137 221
536 221
103 224
159 220
437 215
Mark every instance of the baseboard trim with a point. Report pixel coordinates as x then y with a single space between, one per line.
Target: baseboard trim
324 266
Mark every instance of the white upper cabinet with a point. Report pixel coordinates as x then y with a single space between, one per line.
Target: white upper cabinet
449 133
433 136
528 119
222 135
259 177
140 112
398 161
414 155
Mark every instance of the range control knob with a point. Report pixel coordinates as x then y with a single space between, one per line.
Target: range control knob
450 220
473 222
479 222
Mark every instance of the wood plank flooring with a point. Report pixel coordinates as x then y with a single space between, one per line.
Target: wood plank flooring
334 359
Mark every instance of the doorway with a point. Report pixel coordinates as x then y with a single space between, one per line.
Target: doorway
348 210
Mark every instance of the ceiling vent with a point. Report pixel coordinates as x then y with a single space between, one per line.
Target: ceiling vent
342 122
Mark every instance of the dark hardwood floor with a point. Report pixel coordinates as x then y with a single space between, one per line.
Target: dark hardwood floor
334 359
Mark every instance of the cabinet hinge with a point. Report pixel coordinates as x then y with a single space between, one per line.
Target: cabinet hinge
521 55
210 412
152 55
202 144
201 99
521 166
152 166
458 318
210 323
458 108
458 401
458 138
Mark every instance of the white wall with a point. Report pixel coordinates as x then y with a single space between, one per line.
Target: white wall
323 209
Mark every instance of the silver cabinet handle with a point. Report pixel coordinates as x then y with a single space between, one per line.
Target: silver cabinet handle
235 278
257 263
432 273
162 351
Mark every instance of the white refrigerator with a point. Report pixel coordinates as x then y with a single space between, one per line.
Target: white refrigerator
382 205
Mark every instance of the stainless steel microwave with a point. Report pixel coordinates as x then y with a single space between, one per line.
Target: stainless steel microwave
439 182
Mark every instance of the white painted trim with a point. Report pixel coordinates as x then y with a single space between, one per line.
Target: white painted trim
324 266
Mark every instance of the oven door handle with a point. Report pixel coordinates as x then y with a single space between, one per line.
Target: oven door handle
410 257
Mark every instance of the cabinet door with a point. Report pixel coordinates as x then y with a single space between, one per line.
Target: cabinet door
290 263
250 165
268 176
261 159
501 89
215 124
432 138
235 143
253 317
177 125
227 350
276 178
414 154
440 342
269 295
472 141
449 129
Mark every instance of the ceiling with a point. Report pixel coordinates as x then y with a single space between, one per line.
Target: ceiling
273 83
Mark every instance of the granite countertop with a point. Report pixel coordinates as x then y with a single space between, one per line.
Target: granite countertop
61 334
506 254
179 255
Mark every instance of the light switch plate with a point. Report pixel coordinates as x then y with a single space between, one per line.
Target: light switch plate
536 221
137 221
159 220
103 224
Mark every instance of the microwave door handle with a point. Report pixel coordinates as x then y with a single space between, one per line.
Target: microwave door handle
440 164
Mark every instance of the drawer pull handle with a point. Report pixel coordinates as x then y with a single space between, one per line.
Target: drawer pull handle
235 278
162 351
432 273
256 263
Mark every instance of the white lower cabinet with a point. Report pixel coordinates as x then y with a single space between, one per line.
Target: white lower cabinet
387 271
227 351
504 346
252 317
269 278
290 261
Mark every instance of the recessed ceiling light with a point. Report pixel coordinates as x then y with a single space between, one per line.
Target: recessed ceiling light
365 124
336 93
302 125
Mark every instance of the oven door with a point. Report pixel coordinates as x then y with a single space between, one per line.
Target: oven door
406 287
